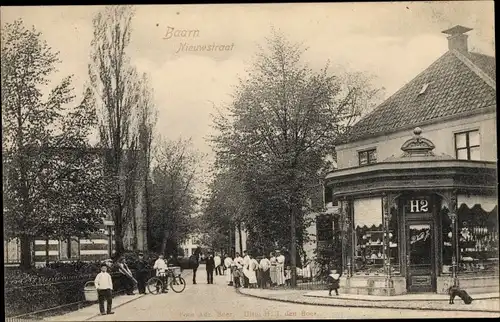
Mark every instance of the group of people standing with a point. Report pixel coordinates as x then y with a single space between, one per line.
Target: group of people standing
252 272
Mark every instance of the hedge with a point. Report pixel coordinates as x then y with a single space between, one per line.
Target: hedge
49 287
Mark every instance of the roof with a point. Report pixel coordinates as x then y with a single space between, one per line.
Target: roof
485 63
454 84
457 30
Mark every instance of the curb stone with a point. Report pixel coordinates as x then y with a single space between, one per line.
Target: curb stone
398 300
363 306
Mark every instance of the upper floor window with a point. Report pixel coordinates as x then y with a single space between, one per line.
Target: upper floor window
367 157
467 145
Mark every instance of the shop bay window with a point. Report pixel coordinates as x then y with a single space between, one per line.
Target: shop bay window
368 237
478 239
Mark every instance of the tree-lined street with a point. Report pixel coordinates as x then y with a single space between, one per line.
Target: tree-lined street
277 183
221 302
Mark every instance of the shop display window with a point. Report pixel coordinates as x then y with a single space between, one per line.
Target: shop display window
368 237
477 240
369 251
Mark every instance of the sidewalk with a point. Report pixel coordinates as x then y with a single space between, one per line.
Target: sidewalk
92 311
482 302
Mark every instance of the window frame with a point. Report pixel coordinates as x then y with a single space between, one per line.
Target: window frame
325 231
467 147
367 152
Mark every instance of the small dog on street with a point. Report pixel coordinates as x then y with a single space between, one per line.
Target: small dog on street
454 291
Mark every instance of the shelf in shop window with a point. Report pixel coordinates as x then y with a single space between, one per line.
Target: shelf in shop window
369 245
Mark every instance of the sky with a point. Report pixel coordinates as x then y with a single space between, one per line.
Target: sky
392 41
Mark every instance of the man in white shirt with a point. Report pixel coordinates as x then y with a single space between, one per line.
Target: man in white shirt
161 271
218 262
238 260
104 286
246 267
228 261
265 265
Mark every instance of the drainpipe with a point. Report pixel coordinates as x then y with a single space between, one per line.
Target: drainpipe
455 239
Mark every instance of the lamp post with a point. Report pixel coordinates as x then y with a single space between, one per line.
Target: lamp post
455 238
293 251
454 256
387 240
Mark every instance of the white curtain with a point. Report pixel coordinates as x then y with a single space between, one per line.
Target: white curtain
367 212
487 203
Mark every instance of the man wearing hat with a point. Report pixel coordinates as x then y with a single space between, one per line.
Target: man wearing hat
142 274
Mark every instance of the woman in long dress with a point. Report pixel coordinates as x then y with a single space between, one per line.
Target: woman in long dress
252 274
228 262
281 269
273 269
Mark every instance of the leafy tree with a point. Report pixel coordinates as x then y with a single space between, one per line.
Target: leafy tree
147 118
53 180
173 194
118 95
223 210
277 133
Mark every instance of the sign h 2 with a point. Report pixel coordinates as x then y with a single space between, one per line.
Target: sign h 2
419 205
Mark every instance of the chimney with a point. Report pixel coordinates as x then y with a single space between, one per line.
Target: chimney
457 39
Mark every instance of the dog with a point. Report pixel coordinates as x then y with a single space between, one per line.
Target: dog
454 291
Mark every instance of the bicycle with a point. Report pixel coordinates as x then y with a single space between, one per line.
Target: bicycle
177 284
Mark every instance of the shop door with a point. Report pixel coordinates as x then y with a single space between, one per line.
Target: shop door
420 257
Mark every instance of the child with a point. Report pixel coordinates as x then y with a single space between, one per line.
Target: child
333 282
288 276
236 276
104 286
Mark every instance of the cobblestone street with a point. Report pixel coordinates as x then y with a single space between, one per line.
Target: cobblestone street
220 302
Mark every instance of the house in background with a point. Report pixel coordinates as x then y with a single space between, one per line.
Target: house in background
190 244
99 245
417 182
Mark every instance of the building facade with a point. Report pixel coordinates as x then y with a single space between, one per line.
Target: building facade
418 211
99 245
190 244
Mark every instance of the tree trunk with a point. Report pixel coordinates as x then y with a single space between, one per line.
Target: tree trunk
26 258
163 245
230 242
240 239
148 215
134 224
119 248
47 258
293 251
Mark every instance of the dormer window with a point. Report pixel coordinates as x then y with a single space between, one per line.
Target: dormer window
424 88
367 157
